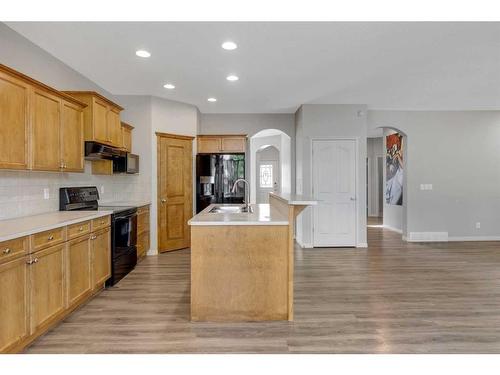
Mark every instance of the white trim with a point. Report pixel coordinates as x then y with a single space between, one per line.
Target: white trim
473 238
362 244
356 167
393 229
304 245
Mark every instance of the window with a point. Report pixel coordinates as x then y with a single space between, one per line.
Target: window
266 176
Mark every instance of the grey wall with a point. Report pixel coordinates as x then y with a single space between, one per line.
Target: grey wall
329 121
459 153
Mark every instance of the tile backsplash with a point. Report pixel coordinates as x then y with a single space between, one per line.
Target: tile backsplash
22 192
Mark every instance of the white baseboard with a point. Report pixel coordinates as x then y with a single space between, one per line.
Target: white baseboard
428 237
397 230
473 238
362 244
304 245
151 252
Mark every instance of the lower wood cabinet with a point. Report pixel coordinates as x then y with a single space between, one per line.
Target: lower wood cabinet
40 288
14 323
143 229
47 286
79 269
101 257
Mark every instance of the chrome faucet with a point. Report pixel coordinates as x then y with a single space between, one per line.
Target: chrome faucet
247 192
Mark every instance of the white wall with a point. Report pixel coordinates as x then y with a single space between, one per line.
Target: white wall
458 152
21 192
375 149
329 121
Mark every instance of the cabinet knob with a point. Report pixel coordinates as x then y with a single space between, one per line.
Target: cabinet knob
80 229
6 251
163 200
51 237
35 260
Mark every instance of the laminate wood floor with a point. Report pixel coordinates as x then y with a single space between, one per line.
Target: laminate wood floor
393 297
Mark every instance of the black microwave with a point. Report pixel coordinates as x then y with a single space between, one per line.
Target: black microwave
128 163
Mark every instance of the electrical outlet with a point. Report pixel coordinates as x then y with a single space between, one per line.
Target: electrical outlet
478 225
429 186
46 193
102 189
422 186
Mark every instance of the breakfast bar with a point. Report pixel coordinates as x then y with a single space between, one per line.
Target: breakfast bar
242 262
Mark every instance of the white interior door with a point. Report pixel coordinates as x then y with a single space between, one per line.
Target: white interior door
268 179
334 185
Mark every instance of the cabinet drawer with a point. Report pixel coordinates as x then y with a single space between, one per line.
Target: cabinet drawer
13 248
78 229
100 223
142 209
48 238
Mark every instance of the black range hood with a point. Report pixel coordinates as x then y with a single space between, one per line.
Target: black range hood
99 151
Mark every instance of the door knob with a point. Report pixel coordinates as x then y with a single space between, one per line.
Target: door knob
163 200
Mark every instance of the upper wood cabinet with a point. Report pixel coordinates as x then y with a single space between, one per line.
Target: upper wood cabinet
101 118
41 128
14 121
127 136
212 144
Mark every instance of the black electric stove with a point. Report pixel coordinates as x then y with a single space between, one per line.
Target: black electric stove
123 227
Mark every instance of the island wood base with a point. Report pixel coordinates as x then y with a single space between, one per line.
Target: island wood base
240 272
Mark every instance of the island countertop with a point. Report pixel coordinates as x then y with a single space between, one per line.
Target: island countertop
263 214
295 199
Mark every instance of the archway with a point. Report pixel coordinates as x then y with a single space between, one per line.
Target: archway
282 143
394 196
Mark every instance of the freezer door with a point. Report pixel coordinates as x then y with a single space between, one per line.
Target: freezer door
233 168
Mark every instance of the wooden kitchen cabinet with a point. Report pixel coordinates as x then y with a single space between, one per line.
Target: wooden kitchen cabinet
213 144
72 145
101 118
40 128
127 136
14 121
79 274
47 286
143 229
101 257
14 319
45 131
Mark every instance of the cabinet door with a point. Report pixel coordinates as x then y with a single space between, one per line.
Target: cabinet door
208 145
78 270
114 128
72 138
14 122
47 286
100 114
45 131
101 257
13 303
127 139
233 144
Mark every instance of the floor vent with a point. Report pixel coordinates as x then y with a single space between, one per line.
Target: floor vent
428 237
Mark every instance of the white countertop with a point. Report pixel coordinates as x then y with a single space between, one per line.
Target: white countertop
26 225
296 199
262 215
124 203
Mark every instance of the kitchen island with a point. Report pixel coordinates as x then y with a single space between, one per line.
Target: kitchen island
242 262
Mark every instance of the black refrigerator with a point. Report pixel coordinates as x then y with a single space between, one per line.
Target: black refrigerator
215 177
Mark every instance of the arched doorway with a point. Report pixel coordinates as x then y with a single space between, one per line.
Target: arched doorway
279 141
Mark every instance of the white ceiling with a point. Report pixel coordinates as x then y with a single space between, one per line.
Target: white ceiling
441 66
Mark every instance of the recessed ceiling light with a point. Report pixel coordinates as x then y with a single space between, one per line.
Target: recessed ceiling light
229 45
142 53
169 86
232 78
212 100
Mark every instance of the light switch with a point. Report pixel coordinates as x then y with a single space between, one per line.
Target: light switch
429 186
422 186
46 193
102 189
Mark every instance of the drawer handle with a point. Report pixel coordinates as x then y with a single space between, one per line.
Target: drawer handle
51 237
80 229
6 251
35 260
32 261
102 221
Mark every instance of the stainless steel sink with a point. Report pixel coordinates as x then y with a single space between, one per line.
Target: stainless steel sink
230 209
